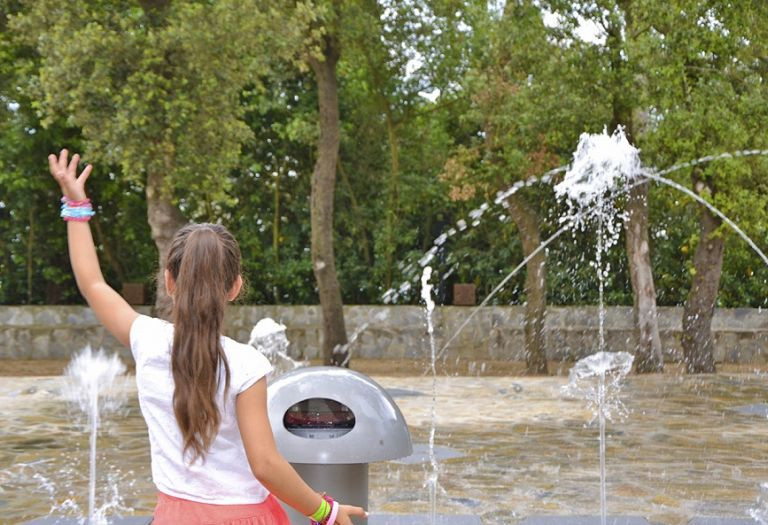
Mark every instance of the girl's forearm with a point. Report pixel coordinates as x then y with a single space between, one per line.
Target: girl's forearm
82 255
280 478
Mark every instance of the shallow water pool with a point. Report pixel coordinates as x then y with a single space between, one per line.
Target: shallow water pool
524 449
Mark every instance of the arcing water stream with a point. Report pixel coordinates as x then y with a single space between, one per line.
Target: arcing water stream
600 186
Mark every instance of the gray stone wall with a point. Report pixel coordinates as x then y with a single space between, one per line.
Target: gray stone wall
741 335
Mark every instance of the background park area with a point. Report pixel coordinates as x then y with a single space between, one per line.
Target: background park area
340 140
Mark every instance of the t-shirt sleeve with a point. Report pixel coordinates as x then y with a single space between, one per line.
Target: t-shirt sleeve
251 367
143 327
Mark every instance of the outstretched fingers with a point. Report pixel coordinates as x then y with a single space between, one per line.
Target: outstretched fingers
58 164
64 171
347 511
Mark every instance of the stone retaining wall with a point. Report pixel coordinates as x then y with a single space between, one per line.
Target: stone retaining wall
741 335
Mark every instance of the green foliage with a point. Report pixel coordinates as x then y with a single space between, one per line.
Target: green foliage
443 104
154 90
709 93
270 206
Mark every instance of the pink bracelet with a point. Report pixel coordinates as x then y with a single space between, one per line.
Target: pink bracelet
75 204
334 513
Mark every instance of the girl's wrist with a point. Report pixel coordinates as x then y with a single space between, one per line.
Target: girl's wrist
323 510
326 513
73 196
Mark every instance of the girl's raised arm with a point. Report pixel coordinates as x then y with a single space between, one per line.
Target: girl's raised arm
109 307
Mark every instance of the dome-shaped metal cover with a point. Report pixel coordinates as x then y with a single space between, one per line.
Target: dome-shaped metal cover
375 430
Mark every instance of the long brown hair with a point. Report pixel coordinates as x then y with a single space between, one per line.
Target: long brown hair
204 261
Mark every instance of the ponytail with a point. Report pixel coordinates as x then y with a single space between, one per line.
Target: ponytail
204 261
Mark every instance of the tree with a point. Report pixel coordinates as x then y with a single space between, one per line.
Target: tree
621 24
709 86
527 116
318 47
323 182
154 86
518 52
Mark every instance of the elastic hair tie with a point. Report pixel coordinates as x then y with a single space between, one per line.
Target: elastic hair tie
75 204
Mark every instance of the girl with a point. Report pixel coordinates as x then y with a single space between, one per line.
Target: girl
203 396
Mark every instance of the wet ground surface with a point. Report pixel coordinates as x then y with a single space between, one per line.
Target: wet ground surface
522 449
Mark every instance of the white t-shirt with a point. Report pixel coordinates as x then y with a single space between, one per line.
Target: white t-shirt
224 477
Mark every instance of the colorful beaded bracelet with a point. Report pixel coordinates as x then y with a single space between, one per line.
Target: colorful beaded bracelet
78 211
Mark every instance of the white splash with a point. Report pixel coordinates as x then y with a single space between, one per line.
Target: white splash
760 513
347 348
612 365
601 165
90 383
268 337
597 378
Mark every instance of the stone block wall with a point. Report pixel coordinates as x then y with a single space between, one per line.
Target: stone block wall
399 332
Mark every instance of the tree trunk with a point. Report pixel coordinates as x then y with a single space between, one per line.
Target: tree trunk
164 220
648 354
276 221
698 347
535 285
323 181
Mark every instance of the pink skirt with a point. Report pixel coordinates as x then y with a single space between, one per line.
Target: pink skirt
174 511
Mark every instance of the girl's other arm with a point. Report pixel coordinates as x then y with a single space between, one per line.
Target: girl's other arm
269 467
109 307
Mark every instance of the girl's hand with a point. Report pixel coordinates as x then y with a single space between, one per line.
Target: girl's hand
72 186
345 511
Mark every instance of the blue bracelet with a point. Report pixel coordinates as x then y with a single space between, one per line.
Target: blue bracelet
79 212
